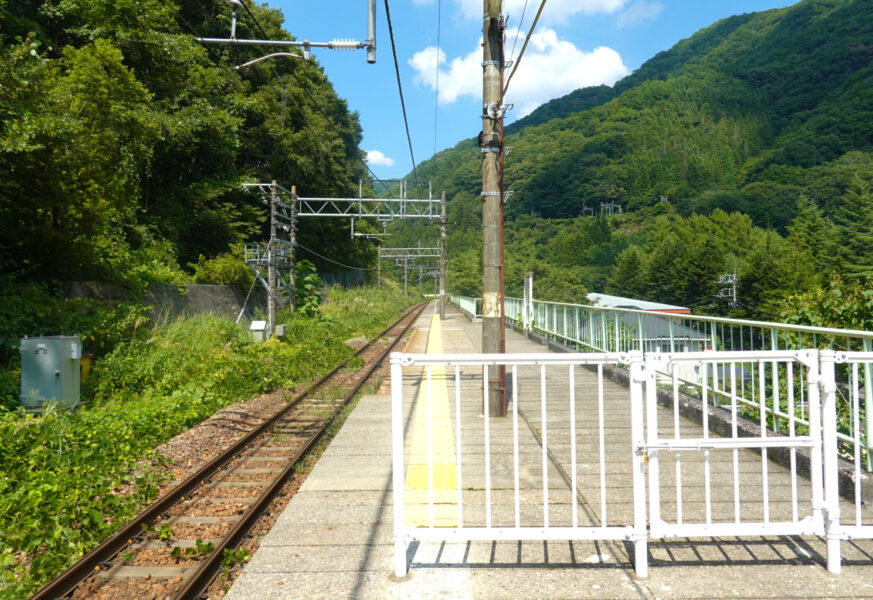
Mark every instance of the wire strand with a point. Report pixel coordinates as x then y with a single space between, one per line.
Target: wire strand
518 31
523 48
436 99
400 89
314 253
309 93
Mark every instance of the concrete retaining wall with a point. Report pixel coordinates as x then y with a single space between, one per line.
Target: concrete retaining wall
171 300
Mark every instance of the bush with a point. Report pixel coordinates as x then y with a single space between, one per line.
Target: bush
62 471
228 268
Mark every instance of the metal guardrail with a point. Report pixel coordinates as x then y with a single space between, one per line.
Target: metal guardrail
598 329
460 475
467 478
472 307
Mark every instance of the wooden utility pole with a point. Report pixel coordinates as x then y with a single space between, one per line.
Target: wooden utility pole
491 145
443 258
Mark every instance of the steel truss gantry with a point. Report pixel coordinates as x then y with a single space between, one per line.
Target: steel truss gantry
286 207
382 209
403 256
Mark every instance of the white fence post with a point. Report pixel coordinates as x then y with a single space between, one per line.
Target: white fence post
828 389
400 539
637 381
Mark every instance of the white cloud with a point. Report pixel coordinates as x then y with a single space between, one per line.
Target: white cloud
550 68
639 12
556 11
375 157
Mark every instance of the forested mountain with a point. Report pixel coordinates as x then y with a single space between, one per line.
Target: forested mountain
746 148
123 141
743 115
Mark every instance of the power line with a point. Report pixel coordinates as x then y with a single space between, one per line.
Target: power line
518 31
318 138
309 93
436 98
523 48
313 252
400 89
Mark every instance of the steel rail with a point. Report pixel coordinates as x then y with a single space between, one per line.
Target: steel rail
67 581
206 571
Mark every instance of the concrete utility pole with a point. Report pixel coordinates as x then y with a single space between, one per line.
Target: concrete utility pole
292 253
443 258
492 197
271 262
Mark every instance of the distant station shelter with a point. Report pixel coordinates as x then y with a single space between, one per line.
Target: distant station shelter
660 330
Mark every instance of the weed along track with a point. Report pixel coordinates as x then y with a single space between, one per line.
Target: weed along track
205 524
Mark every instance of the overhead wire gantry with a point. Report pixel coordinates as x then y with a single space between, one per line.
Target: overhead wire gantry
274 264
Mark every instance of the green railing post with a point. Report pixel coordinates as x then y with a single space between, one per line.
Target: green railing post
617 333
640 325
774 345
868 405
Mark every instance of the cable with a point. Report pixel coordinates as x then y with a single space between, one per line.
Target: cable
319 165
400 89
518 31
300 110
520 54
309 93
436 98
313 252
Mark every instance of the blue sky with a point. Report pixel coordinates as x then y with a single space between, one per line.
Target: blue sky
576 43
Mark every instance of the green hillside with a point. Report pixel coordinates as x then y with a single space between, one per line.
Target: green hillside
123 141
758 131
743 115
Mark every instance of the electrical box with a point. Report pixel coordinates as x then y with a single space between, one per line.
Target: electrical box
259 331
50 370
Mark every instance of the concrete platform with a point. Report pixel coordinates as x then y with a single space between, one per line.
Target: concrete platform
334 540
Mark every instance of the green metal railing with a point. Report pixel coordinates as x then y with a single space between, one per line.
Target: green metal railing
598 329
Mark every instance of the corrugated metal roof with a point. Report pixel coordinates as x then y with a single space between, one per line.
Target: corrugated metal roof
607 301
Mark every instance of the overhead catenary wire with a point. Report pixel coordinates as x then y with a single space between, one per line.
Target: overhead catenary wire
436 99
518 31
521 54
318 138
330 260
314 100
299 109
400 89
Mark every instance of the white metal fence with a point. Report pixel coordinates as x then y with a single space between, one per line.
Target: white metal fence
469 480
459 476
597 329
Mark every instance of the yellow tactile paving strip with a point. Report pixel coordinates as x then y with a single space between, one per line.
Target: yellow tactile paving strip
436 441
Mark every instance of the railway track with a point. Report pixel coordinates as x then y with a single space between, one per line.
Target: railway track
177 545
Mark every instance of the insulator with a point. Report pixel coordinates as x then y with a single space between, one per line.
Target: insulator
344 44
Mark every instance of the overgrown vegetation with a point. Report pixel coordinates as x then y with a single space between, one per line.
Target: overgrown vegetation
64 474
124 141
745 148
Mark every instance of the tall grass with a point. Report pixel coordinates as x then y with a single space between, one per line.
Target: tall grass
60 472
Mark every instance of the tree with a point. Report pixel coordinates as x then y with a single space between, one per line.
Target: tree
812 238
855 222
629 273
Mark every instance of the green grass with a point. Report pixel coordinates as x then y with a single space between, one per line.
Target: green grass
60 472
